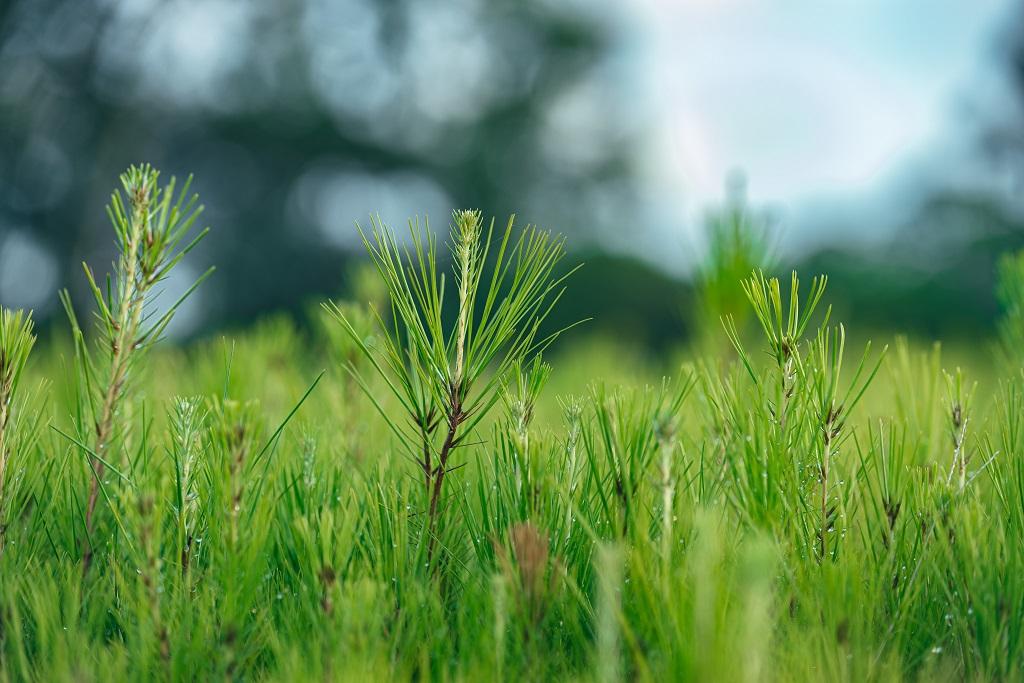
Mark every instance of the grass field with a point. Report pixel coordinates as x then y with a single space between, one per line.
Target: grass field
407 491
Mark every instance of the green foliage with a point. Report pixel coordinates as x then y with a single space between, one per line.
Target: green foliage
153 227
1010 294
16 342
448 374
737 244
792 515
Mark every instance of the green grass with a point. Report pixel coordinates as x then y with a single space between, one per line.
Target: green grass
408 491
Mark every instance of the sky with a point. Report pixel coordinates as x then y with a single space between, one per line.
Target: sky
817 103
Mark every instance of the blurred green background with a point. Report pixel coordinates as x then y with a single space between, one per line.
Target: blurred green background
881 144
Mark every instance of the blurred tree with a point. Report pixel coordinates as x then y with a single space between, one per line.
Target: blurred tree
936 276
1000 135
298 118
738 243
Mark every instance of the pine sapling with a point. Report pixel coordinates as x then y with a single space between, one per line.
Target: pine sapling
572 410
445 374
959 400
666 437
234 431
832 406
233 435
16 341
187 419
738 242
624 441
153 226
784 328
773 457
520 400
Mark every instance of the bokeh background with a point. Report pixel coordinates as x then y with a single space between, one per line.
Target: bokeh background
880 142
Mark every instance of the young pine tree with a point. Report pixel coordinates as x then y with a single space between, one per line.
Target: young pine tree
153 225
16 341
448 373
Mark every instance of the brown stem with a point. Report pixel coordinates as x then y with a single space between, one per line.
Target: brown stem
126 327
425 464
104 430
440 471
454 421
186 551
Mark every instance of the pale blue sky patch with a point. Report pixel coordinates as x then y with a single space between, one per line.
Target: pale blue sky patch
810 100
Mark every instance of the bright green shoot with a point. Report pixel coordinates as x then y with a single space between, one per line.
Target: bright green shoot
1010 295
153 225
959 399
16 341
739 242
832 406
783 326
448 374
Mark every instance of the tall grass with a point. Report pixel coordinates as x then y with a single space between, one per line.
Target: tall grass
792 511
16 341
